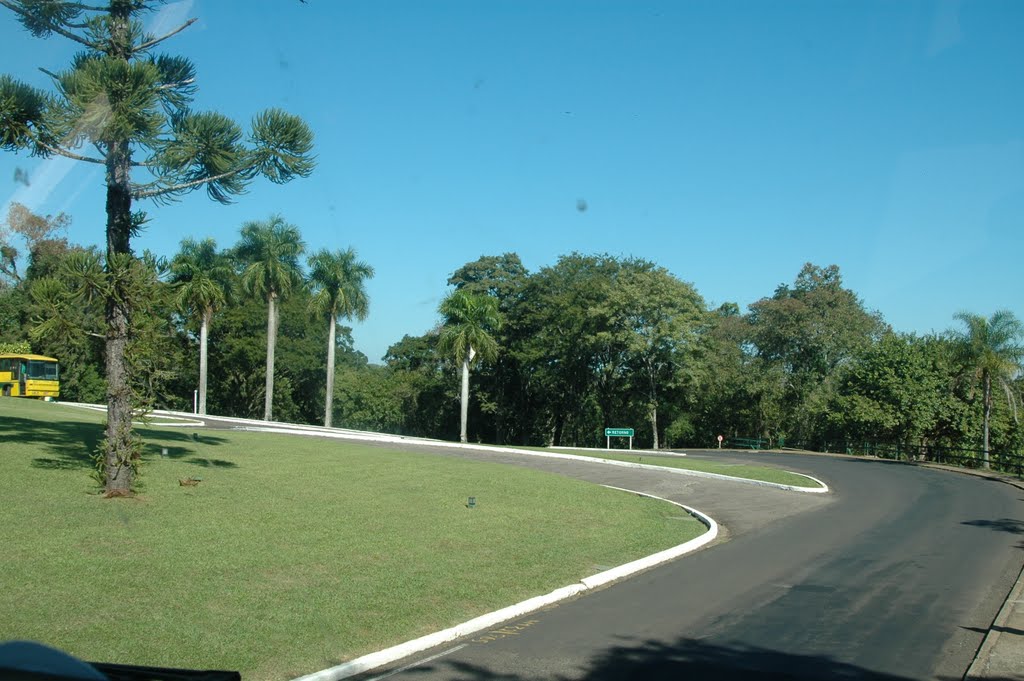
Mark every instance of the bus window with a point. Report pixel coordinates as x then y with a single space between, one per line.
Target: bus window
42 370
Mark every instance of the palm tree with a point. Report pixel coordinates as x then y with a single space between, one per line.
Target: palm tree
271 250
201 277
468 321
992 352
339 292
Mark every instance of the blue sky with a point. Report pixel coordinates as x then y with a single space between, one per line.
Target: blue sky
730 142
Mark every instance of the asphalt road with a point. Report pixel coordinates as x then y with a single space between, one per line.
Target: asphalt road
895 574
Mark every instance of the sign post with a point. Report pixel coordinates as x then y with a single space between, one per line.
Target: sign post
609 433
720 438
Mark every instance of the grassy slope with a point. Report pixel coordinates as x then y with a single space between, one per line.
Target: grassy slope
736 470
292 554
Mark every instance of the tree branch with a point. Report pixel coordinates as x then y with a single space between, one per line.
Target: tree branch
154 41
168 86
184 185
51 26
65 152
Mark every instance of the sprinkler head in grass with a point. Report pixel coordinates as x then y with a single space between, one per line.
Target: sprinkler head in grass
471 503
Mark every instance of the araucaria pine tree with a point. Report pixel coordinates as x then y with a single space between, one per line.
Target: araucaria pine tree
125 106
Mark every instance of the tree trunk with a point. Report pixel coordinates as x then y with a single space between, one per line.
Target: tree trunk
653 408
654 423
204 330
464 411
988 413
119 453
268 402
330 371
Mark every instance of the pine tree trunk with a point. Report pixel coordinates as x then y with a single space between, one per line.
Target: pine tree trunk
119 453
268 403
204 331
118 445
330 372
464 411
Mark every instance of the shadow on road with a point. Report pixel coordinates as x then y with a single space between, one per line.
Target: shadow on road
686 658
1002 525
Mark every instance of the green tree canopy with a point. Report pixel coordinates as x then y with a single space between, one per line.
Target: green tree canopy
991 352
338 281
125 106
469 321
202 277
270 251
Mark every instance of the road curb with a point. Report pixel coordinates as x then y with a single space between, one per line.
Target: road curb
990 663
255 425
292 430
418 645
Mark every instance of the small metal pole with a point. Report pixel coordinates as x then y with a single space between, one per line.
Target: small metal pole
630 442
195 401
608 442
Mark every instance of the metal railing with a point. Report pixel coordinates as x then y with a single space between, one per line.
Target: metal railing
999 461
748 443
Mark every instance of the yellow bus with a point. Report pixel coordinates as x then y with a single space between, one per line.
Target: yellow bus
25 375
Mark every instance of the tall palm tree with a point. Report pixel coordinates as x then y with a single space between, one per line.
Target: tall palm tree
271 251
468 321
339 292
201 277
991 350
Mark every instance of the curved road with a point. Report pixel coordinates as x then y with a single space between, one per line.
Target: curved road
895 574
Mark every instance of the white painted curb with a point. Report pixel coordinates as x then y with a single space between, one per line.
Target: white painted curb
342 433
358 435
388 655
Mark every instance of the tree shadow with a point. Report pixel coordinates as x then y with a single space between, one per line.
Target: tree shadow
155 451
70 445
1002 525
996 627
685 658
153 435
212 463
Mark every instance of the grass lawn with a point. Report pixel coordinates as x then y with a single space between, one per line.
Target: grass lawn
736 470
292 554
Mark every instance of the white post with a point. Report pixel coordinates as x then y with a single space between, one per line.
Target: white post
607 441
195 401
631 443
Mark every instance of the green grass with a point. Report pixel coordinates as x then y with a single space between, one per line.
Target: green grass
292 554
736 470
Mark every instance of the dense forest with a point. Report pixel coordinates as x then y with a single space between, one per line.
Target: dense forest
589 342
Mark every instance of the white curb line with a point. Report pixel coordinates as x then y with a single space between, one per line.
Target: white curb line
394 653
342 433
358 435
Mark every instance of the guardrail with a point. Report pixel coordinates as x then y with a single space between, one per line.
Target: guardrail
1004 462
748 443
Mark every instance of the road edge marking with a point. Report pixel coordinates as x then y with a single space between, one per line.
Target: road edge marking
402 650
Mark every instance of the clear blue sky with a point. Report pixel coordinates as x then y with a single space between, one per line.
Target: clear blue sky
729 142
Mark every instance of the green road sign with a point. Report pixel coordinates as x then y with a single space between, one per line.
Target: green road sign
618 432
